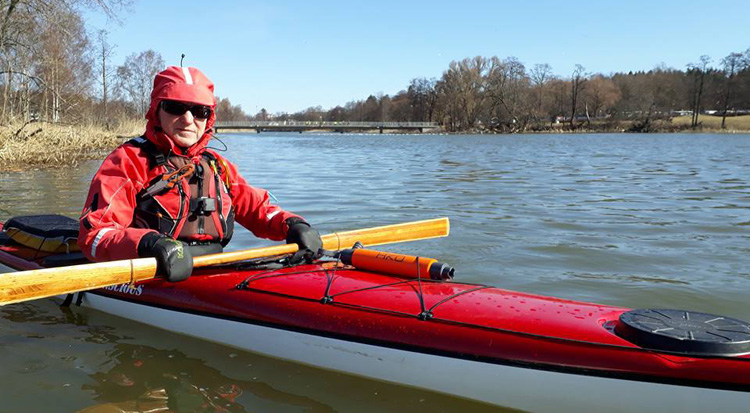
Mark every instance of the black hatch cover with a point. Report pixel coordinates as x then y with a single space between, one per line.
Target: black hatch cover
685 332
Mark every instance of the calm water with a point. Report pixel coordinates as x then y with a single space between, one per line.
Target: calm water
630 220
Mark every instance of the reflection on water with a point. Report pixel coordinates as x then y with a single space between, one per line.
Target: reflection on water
629 220
86 361
146 378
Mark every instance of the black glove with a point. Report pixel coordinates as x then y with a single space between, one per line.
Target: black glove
306 237
173 258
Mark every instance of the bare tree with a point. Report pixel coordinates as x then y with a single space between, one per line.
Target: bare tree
699 71
506 88
422 97
541 74
336 114
384 107
370 109
601 94
577 82
136 76
732 64
463 86
8 7
66 66
44 55
226 111
104 52
400 108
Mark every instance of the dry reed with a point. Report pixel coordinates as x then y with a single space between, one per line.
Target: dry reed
40 145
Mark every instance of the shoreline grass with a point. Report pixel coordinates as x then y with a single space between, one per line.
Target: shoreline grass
39 145
713 123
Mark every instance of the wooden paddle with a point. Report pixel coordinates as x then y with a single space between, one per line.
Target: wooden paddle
31 285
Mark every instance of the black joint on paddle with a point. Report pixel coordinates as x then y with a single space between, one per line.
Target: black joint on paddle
425 315
242 285
326 300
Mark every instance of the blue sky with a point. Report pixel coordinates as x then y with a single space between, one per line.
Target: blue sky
290 55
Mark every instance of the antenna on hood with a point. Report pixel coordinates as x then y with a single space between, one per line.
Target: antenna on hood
181 58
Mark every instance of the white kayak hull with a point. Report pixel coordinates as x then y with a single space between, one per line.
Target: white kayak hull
509 386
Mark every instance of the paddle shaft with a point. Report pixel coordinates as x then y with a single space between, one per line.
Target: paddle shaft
34 284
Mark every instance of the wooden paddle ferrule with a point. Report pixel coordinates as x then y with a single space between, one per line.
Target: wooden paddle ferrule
397 264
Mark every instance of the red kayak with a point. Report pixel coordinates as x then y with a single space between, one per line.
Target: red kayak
484 343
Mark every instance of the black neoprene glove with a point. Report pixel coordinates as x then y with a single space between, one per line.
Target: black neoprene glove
306 237
173 258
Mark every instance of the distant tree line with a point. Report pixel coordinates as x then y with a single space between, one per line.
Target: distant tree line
504 95
52 69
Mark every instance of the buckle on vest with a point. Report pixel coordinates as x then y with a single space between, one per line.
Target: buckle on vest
203 205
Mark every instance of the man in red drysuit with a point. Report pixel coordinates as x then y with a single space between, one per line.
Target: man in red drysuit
167 196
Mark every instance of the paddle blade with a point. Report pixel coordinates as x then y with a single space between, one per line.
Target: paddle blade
388 234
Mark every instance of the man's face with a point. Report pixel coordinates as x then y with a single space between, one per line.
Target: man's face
185 129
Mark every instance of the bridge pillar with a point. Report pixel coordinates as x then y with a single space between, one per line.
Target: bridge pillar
381 130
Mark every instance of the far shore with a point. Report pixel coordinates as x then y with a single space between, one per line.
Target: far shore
706 124
46 145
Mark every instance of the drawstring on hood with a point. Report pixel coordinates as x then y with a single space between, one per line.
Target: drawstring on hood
184 84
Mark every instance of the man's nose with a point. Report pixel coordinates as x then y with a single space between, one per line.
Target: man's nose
187 116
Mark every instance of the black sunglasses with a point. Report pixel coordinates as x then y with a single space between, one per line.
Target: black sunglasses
178 109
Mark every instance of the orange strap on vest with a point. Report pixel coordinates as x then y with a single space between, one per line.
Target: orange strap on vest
169 180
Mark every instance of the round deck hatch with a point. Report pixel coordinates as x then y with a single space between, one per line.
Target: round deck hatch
685 332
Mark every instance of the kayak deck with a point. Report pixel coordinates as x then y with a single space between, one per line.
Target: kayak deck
330 306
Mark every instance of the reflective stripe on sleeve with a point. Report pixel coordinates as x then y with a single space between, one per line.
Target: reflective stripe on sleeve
97 239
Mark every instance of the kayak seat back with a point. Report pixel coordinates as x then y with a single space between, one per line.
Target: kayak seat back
48 233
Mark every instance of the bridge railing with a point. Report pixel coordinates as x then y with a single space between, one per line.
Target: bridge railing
324 124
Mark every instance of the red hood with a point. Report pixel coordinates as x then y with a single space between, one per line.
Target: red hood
185 84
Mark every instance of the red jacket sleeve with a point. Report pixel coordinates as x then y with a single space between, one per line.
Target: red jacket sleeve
253 208
104 231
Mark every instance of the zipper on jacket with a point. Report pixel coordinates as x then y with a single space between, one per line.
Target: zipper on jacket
181 212
200 172
175 222
219 185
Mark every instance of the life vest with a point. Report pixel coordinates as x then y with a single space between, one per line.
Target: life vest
189 201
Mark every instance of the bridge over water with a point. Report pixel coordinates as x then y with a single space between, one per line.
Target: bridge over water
301 126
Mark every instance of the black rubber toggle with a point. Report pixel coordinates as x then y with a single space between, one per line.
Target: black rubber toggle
685 332
425 315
